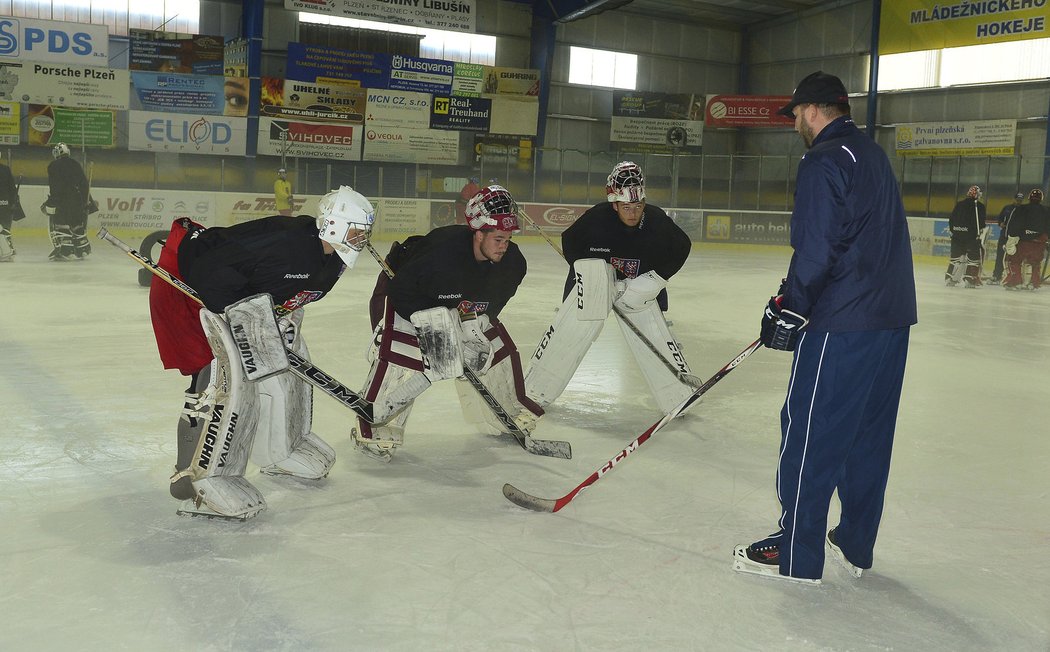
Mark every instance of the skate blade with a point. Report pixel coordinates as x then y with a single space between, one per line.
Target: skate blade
215 515
742 564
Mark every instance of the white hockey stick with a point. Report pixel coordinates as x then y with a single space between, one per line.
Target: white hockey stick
300 366
546 447
536 504
687 378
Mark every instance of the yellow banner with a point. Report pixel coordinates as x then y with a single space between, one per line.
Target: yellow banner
914 25
10 124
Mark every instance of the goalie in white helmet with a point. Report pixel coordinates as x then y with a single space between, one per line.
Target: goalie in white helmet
66 206
439 314
254 279
621 253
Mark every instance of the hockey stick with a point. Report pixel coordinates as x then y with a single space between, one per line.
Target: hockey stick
536 504
687 378
546 447
299 365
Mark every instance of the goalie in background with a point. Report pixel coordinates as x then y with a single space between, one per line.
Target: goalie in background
438 314
620 253
254 279
966 223
10 211
66 206
1026 243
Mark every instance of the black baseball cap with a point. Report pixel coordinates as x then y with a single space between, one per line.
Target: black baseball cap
817 88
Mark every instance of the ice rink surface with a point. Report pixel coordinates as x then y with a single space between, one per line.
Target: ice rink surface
424 553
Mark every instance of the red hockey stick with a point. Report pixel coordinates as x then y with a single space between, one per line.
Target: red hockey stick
528 501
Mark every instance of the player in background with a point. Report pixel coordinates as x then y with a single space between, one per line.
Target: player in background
282 192
621 253
254 279
1026 243
845 308
966 224
66 206
1004 223
440 315
10 210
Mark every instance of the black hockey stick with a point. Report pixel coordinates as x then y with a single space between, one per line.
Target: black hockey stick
299 365
684 377
536 504
546 447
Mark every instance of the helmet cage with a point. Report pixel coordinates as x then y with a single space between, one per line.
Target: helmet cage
59 150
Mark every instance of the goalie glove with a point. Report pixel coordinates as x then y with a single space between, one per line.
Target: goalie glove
635 294
477 349
1011 244
780 326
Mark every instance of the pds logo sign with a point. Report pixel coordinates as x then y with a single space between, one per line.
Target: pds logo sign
53 41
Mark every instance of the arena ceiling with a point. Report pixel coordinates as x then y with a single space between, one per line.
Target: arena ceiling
734 14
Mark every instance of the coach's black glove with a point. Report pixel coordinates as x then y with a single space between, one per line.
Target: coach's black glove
780 327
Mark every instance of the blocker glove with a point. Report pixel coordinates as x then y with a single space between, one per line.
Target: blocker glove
780 326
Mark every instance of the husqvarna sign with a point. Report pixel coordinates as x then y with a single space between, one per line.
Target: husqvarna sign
53 41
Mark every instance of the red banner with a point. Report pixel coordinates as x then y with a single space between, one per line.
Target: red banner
746 111
553 217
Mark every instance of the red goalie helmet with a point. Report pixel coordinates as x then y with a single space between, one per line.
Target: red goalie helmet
626 183
493 209
974 192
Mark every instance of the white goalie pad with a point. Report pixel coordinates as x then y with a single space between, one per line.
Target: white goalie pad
594 289
229 407
260 344
505 382
577 323
667 388
284 443
7 249
440 343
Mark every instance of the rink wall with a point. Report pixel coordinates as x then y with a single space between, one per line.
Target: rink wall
134 214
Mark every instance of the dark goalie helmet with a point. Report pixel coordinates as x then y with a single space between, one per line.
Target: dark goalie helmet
1036 196
626 183
493 209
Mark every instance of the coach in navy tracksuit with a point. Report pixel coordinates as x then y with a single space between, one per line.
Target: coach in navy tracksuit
846 308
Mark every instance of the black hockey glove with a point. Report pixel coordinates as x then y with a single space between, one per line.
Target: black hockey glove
780 327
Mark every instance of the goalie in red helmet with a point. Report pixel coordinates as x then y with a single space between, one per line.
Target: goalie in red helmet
621 253
967 229
438 314
1026 243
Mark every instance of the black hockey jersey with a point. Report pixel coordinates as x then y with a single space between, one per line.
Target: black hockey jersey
1029 221
439 269
279 255
67 186
656 244
967 218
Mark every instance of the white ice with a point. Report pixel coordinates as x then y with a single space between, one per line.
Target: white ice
425 553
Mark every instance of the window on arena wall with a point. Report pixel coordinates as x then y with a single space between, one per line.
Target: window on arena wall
435 44
119 15
603 68
974 64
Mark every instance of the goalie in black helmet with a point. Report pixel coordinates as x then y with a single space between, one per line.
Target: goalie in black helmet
438 314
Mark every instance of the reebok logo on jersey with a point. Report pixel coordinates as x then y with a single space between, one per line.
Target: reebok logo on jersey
601 249
297 276
450 296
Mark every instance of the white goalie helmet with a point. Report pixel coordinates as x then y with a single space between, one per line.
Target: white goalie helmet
60 150
493 209
626 183
344 220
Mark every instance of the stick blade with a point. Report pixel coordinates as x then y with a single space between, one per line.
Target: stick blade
549 448
527 501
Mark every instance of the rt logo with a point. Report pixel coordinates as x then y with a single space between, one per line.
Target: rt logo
14 40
